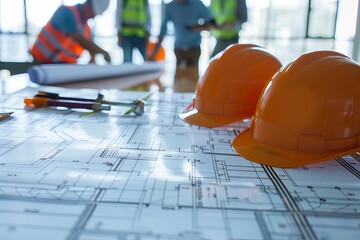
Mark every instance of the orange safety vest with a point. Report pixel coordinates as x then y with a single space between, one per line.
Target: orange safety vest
54 46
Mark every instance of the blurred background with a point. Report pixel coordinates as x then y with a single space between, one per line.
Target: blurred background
286 28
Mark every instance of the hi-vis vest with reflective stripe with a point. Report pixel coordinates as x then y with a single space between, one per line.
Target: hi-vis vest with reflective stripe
54 46
224 13
134 18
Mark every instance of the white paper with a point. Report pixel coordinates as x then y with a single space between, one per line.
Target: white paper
110 176
51 74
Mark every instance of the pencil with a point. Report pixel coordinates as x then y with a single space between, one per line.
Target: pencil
5 115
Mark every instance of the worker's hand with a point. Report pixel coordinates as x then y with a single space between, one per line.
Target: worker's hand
150 57
92 58
204 26
107 56
226 25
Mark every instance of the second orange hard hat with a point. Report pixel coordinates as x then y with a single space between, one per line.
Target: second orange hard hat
308 113
229 89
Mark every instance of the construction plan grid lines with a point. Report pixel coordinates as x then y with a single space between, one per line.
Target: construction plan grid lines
113 176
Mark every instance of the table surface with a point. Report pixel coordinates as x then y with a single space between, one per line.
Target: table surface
113 176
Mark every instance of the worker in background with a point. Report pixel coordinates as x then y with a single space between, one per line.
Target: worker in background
67 34
133 23
189 17
229 16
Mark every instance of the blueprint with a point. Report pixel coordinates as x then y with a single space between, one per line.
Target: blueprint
107 176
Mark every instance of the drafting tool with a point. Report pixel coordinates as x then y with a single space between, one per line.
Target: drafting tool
5 115
137 106
45 102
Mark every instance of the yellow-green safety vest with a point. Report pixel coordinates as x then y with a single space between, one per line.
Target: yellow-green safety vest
224 13
134 18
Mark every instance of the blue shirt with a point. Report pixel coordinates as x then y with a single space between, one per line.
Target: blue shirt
65 20
183 15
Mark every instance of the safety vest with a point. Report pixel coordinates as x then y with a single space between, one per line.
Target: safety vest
224 13
54 46
134 18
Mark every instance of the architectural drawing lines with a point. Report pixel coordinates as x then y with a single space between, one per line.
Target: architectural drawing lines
349 167
291 205
264 229
110 177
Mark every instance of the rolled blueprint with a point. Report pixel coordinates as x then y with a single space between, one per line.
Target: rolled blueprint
52 74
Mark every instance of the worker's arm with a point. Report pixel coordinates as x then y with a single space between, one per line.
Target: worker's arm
90 46
204 26
65 21
151 57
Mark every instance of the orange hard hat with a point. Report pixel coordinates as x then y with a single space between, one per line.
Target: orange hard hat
309 112
160 55
230 87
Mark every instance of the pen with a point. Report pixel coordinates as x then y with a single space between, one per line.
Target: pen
99 99
5 115
44 102
56 96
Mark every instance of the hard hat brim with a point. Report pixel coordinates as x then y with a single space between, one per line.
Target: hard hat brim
206 120
253 150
